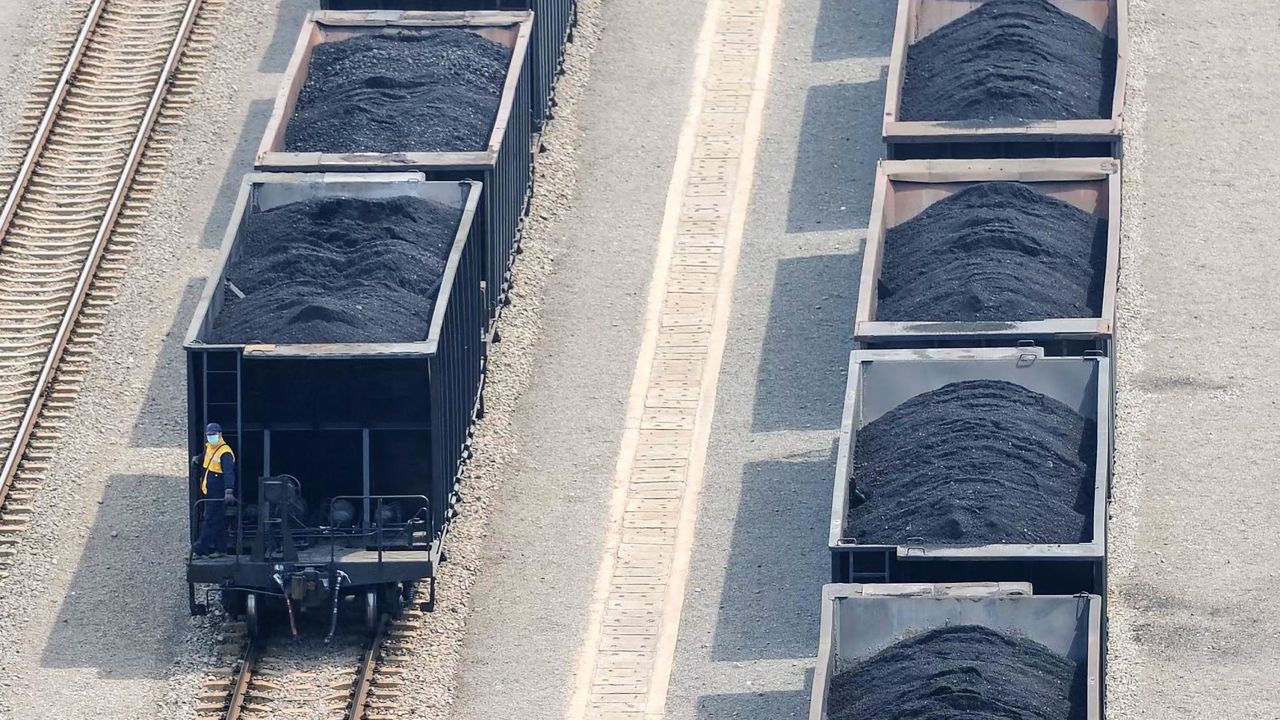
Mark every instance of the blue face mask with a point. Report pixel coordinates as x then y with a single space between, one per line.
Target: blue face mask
212 439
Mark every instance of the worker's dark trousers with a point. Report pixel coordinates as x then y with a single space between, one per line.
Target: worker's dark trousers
213 528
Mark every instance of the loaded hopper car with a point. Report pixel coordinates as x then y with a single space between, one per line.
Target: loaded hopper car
553 23
1028 49
909 191
348 453
502 160
862 624
937 494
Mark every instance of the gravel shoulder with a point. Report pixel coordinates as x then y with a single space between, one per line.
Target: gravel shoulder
1194 551
28 26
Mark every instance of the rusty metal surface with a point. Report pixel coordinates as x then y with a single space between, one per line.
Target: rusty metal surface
364 676
917 18
240 686
511 28
906 187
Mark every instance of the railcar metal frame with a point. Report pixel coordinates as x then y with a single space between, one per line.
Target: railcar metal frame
553 24
904 188
857 621
1059 568
906 140
454 351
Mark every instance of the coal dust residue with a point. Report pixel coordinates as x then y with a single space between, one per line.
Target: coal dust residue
338 270
974 463
427 91
1010 61
964 672
996 251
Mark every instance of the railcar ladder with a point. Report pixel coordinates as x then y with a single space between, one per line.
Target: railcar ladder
221 393
850 568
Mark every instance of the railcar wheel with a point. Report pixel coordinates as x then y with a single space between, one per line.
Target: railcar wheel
252 621
371 611
392 599
233 602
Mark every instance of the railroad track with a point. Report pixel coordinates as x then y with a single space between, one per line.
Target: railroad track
78 178
354 678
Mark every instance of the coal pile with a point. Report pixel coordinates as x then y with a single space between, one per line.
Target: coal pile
338 270
974 463
997 251
964 672
433 90
1010 61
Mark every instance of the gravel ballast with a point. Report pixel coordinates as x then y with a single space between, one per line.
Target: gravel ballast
338 270
423 91
1010 61
995 251
974 463
965 672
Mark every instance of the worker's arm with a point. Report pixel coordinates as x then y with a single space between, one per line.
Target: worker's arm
228 472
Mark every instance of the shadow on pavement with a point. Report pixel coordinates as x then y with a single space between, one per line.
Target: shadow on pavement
115 617
805 355
772 586
246 150
854 29
288 26
161 422
840 142
777 705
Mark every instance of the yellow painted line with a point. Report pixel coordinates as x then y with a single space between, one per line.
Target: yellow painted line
625 666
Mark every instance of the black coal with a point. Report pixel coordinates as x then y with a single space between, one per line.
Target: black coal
338 270
964 672
432 90
1010 61
997 251
974 463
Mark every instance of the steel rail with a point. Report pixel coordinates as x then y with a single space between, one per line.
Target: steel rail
240 690
364 677
357 704
27 424
50 112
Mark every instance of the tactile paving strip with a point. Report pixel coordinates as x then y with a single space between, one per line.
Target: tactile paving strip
628 667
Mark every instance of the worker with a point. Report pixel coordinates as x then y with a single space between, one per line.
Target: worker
218 488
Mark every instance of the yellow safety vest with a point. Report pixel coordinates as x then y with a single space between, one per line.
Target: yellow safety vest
213 462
